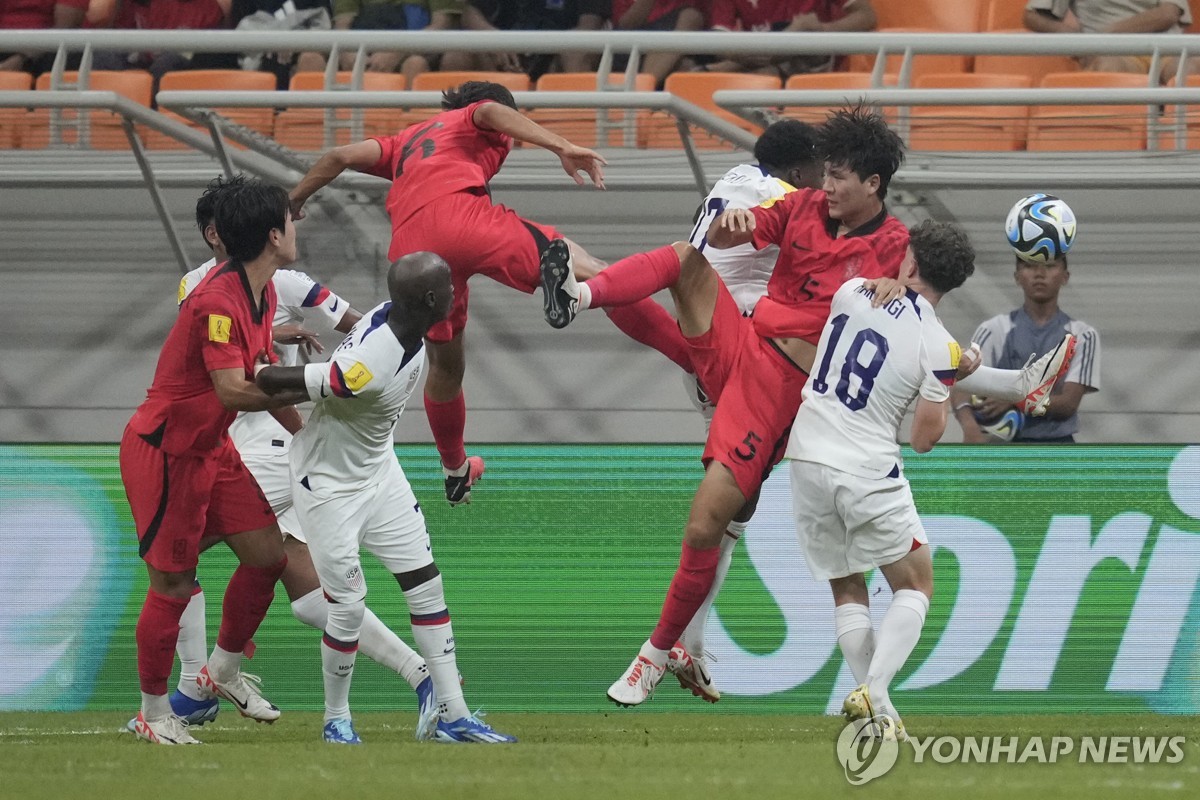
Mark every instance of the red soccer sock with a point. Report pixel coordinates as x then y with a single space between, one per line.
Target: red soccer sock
157 633
247 599
649 323
695 576
448 421
634 278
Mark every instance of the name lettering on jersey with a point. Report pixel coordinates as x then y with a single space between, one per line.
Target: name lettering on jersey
219 328
358 376
895 308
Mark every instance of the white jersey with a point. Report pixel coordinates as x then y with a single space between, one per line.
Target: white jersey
360 393
744 270
870 365
257 431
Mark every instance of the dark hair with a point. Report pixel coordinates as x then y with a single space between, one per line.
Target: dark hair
944 255
470 92
246 214
859 138
206 204
1060 260
786 145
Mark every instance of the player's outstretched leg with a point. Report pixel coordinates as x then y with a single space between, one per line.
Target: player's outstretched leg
624 283
434 635
446 410
1029 387
157 630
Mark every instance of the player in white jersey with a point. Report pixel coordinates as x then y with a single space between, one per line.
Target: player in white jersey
351 493
263 441
853 507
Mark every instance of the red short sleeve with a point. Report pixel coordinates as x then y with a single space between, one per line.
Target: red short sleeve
222 342
383 167
770 220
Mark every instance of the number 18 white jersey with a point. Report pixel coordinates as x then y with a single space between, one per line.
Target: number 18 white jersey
871 364
744 270
359 394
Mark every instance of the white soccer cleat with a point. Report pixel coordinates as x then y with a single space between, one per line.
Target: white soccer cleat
1040 376
168 730
243 692
693 674
637 685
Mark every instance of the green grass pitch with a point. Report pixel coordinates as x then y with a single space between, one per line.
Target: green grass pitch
618 754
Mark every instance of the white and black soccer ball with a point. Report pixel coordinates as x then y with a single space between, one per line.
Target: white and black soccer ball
1040 228
1005 427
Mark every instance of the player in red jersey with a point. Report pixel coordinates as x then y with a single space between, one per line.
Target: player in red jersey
753 367
440 202
182 475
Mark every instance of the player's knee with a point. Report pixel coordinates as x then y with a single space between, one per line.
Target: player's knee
344 620
704 533
427 597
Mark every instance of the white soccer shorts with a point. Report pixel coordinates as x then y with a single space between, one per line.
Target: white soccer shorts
274 476
849 524
383 518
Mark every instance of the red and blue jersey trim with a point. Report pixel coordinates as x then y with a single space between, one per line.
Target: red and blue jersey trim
946 376
337 382
316 295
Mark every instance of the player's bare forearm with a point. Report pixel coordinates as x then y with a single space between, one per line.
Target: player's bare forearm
278 381
731 228
238 394
348 320
289 417
1064 403
929 423
501 118
329 166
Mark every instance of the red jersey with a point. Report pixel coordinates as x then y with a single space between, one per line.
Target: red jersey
218 327
813 262
38 14
771 15
445 154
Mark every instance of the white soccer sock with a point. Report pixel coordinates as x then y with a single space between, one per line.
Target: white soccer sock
376 641
192 646
155 707
339 647
224 665
898 635
585 296
855 637
693 634
995 384
435 639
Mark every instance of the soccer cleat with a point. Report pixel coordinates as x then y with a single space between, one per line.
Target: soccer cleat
699 398
560 290
459 481
193 712
1041 375
470 730
693 674
427 709
637 685
243 692
857 704
340 731
168 730
886 722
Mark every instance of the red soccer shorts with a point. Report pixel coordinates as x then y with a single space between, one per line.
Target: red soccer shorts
474 237
757 392
177 500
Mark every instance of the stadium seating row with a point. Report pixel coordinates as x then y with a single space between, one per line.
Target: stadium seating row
931 128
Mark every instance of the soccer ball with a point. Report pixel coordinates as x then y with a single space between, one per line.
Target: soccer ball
1005 427
1040 228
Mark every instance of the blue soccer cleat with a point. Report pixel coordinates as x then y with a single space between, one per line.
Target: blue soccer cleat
427 709
470 730
340 731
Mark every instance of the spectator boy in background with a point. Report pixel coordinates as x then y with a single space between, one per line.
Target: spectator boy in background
1006 341
168 15
396 15
788 16
530 15
1112 16
659 15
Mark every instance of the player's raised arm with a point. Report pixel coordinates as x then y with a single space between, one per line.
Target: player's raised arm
732 228
238 394
361 156
575 159
276 380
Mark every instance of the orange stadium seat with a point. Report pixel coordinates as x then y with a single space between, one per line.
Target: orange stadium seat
304 128
955 16
852 82
260 120
105 129
12 119
441 81
1089 127
927 64
579 124
969 127
1002 15
698 87
1032 66
1191 121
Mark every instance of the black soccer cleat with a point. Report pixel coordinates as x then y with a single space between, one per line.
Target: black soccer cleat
560 290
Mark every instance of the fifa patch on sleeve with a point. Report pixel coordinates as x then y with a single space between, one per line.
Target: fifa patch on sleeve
219 328
955 354
182 291
358 376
